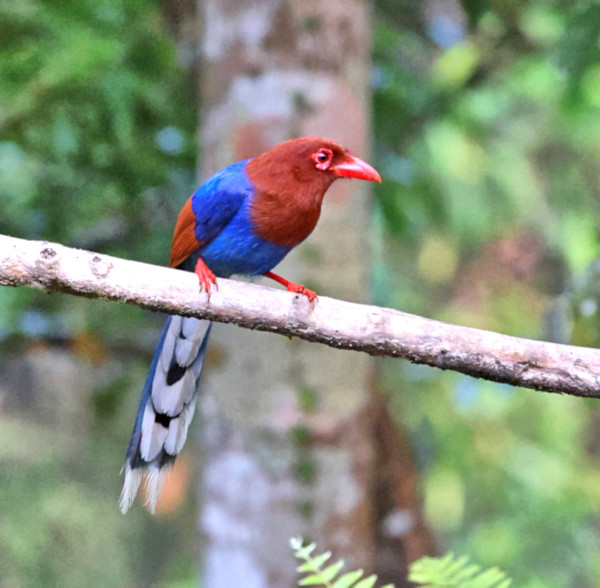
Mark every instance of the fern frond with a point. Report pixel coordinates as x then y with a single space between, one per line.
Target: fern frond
328 577
428 572
451 572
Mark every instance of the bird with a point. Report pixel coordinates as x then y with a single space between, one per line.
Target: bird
243 220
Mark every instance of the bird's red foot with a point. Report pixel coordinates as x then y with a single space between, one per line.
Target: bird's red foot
301 289
205 276
292 286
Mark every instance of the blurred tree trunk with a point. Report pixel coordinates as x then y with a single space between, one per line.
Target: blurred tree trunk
289 434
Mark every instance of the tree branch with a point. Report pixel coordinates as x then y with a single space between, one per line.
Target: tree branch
378 331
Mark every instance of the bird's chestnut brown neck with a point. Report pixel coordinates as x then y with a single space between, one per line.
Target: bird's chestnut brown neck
287 203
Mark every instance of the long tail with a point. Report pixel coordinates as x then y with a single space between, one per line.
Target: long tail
166 407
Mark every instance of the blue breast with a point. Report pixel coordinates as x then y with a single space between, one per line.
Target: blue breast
237 250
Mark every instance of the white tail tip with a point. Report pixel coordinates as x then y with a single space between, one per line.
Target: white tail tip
133 479
153 485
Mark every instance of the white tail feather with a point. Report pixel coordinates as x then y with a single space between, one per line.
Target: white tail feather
194 328
170 400
153 435
133 478
173 434
186 351
193 332
169 343
186 416
153 484
196 367
178 429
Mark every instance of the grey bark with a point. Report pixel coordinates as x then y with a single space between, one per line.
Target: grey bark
274 69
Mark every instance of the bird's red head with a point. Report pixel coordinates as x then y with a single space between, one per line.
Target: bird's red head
309 160
291 180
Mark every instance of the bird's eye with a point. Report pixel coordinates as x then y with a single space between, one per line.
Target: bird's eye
322 158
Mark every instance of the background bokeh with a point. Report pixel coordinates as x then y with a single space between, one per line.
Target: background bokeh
485 126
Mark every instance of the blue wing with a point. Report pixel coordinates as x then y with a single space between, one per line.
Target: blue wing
208 211
216 202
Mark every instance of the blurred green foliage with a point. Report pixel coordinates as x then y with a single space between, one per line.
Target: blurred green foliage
97 150
97 127
486 129
486 122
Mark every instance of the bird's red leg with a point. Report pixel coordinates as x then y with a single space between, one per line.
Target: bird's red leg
292 286
205 276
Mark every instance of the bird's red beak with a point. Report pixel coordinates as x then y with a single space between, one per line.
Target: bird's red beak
354 167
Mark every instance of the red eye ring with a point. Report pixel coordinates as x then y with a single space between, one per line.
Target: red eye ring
322 158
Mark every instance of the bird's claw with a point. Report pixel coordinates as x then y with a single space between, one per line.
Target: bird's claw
206 277
207 282
292 286
301 289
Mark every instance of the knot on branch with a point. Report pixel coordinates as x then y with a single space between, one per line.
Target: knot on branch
46 265
48 253
100 267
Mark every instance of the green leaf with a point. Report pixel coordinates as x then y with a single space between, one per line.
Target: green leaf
348 580
367 582
449 571
319 560
313 580
330 572
304 552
